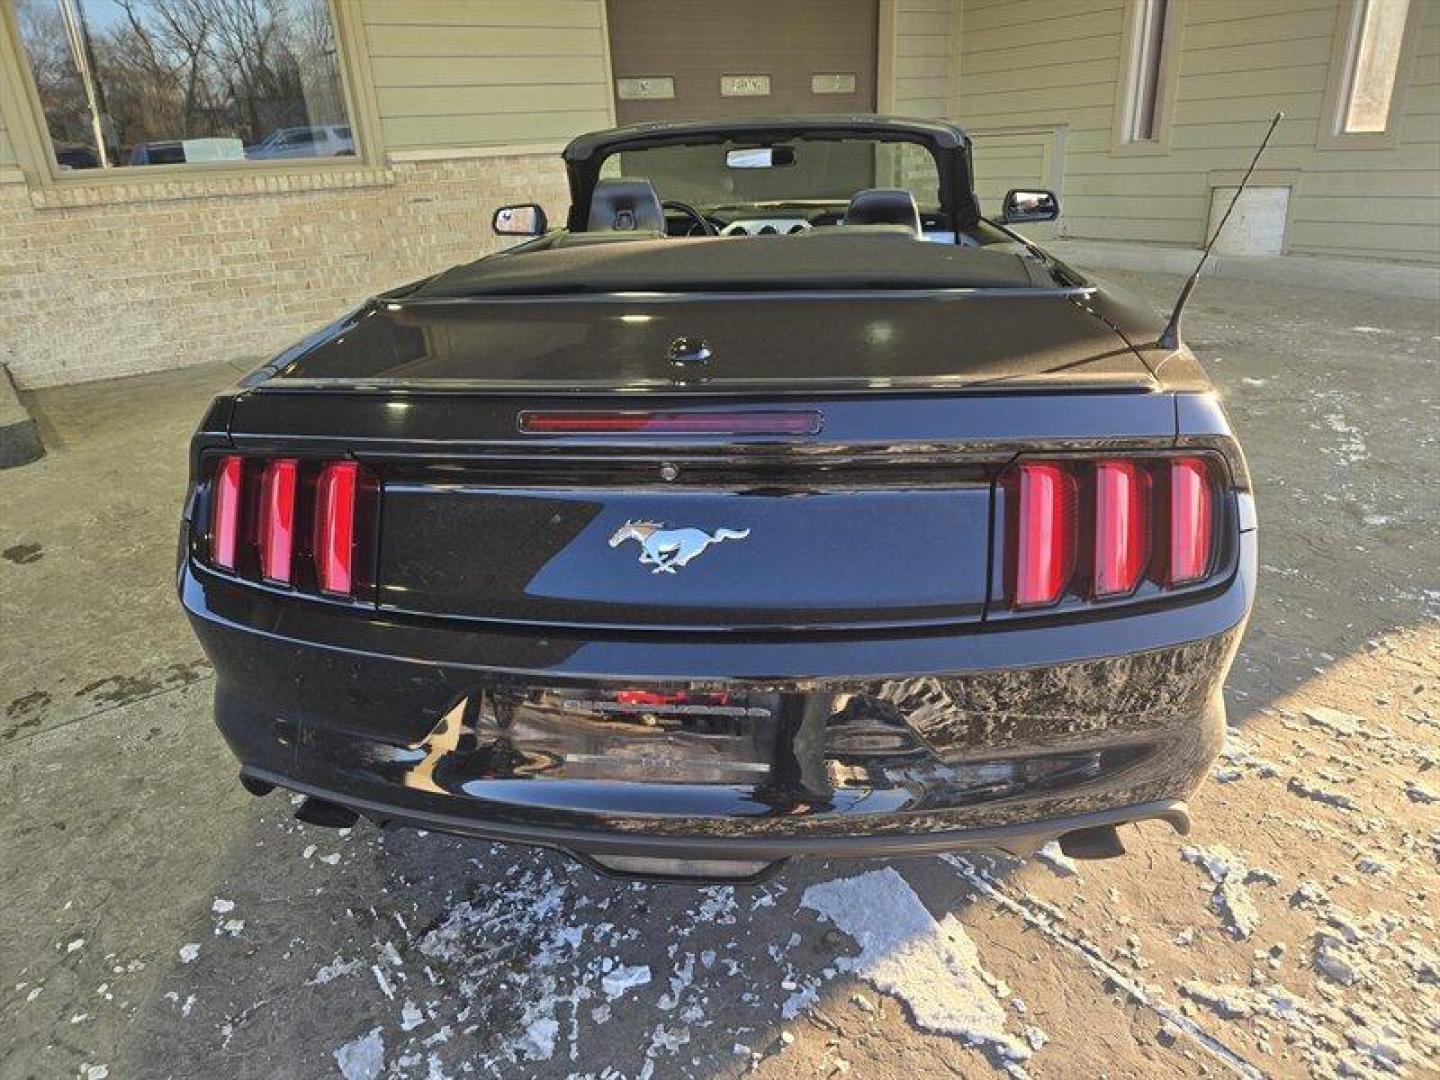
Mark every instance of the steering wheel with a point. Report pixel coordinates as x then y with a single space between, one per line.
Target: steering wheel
706 227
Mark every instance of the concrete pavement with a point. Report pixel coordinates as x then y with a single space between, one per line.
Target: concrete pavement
160 922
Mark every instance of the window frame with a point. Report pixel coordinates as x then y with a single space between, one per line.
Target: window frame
1349 23
1167 81
35 150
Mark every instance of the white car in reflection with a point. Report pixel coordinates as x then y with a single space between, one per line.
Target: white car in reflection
316 140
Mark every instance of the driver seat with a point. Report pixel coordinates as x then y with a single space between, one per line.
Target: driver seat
884 206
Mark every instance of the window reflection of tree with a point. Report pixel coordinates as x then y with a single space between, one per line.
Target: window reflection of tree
166 70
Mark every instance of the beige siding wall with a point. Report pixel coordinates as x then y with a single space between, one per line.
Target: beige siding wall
923 57
460 73
1052 66
7 152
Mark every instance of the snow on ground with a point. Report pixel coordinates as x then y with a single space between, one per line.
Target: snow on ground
187 930
932 966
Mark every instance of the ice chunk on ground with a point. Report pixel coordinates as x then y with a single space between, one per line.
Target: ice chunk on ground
333 970
362 1058
1231 898
1417 792
934 967
1057 860
624 978
1318 794
189 952
538 1043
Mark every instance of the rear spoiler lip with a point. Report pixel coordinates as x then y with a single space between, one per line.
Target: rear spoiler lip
898 386
1075 292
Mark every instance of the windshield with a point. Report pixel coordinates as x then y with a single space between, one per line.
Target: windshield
730 174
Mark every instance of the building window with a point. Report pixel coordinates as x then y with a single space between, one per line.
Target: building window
1372 64
169 82
1145 84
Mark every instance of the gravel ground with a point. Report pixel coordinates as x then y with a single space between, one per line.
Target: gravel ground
159 922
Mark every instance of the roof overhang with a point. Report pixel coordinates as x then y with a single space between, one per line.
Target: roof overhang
937 134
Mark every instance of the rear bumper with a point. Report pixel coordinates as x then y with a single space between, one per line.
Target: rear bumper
995 736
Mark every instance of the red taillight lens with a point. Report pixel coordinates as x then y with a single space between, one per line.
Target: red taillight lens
1041 534
277 519
659 423
335 527
1126 521
225 512
1190 521
1122 508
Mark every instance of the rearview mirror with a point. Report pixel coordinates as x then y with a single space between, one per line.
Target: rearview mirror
760 157
1022 205
524 219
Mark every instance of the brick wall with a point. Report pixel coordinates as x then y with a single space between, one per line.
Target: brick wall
121 280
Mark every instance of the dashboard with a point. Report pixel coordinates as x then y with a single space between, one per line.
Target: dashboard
794 222
767 226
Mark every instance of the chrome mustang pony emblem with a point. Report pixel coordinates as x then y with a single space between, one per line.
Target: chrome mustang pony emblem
669 549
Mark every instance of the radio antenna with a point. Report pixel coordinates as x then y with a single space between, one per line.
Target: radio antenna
1170 336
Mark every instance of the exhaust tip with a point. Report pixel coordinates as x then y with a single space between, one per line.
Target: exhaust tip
258 788
1099 842
328 815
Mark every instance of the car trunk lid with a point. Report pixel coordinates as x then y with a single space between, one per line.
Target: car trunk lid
878 514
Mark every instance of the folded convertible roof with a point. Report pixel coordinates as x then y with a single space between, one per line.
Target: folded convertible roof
812 262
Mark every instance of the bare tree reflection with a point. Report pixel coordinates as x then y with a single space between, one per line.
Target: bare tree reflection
261 76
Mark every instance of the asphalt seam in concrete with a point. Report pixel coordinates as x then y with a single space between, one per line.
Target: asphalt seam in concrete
19 740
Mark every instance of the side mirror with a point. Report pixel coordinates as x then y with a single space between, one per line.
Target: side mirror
524 219
1022 206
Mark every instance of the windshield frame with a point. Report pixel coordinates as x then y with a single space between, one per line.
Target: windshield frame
946 143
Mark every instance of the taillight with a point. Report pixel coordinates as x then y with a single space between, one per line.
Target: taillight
1122 512
277 520
1097 529
1190 521
334 545
264 525
1043 525
225 512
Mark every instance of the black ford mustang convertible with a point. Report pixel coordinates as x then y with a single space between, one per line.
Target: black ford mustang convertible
779 505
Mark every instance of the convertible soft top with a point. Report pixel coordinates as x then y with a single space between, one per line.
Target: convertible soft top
817 261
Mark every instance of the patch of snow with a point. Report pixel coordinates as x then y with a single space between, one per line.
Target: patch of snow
362 1058
1417 792
333 970
410 1016
222 906
1334 721
189 951
617 982
934 967
1231 898
384 983
1057 860
538 1042
1314 793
